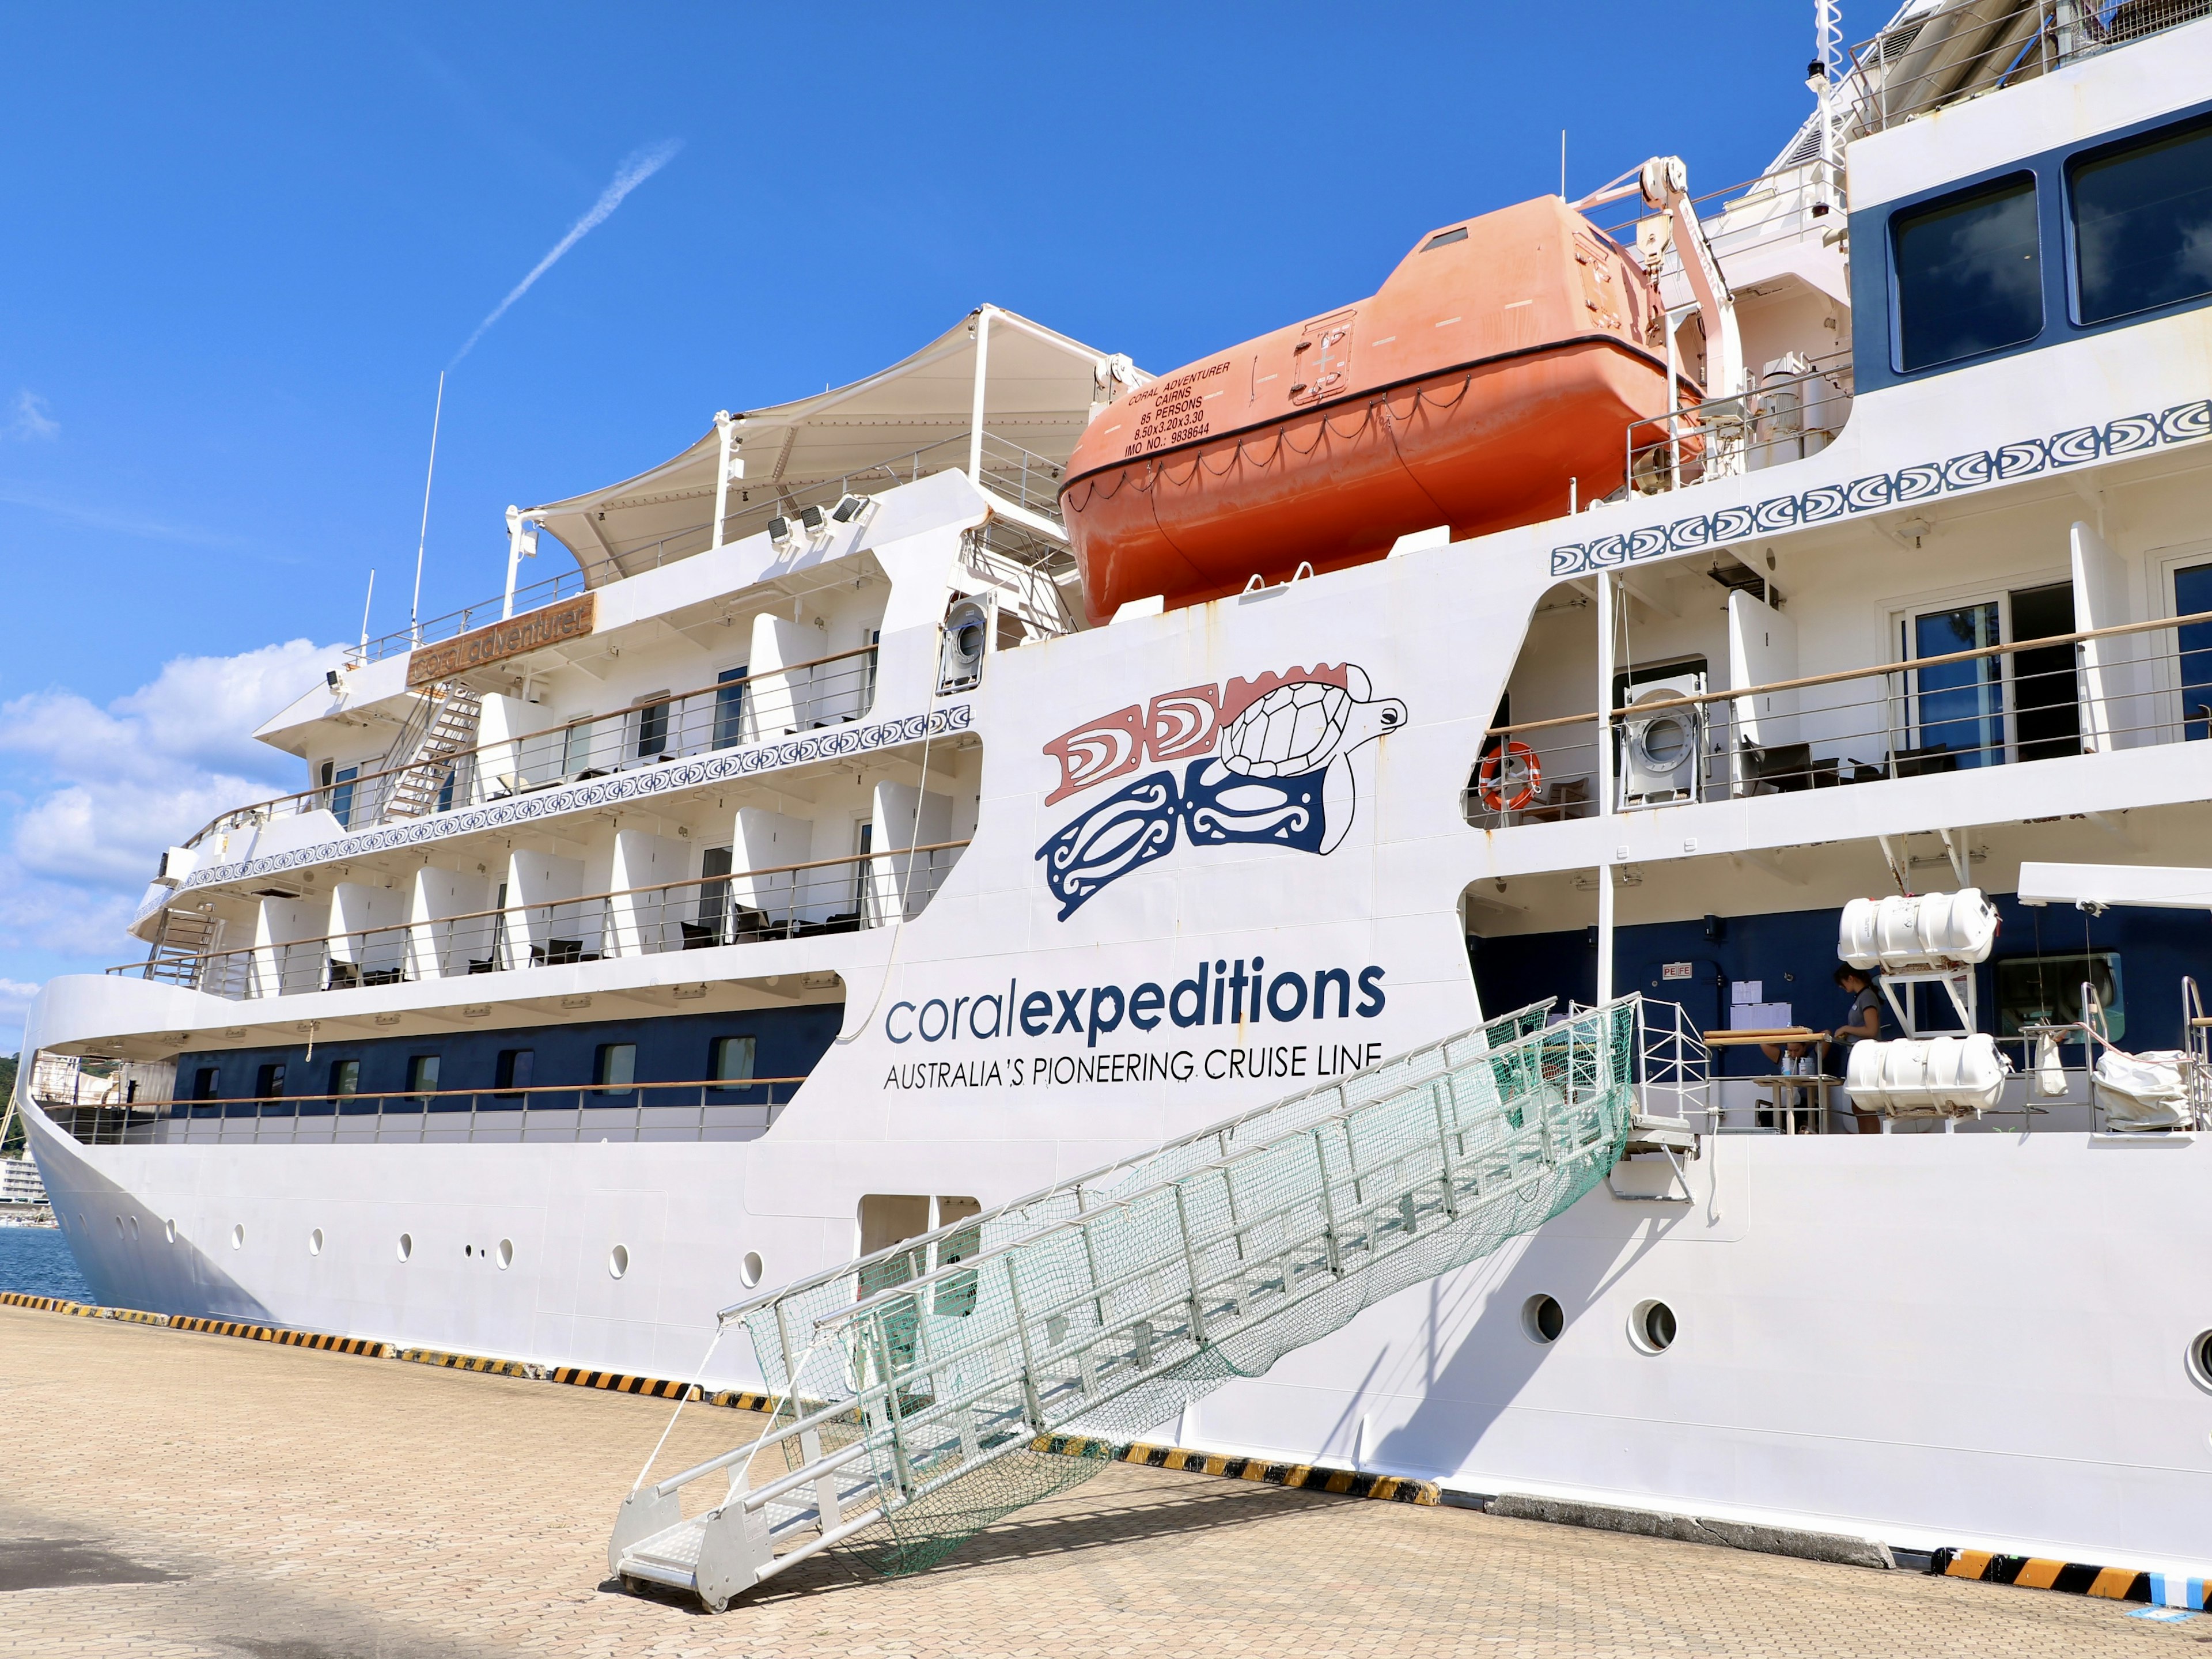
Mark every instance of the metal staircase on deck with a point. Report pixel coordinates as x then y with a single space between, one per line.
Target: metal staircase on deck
933 1388
445 726
181 946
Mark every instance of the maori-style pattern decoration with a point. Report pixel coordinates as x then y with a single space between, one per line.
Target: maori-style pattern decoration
832 743
1283 776
2183 423
1177 725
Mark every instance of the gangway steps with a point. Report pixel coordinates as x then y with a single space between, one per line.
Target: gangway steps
1100 1306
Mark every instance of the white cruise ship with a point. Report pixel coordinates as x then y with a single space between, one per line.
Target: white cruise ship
909 797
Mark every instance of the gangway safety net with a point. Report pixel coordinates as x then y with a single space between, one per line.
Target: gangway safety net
929 1389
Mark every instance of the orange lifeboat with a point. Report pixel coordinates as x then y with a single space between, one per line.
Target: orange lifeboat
1505 357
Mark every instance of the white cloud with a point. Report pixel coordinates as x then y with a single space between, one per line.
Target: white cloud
91 795
27 418
15 1000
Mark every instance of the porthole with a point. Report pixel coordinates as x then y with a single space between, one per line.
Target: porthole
237 1236
618 1261
134 1229
315 1242
750 1269
1542 1318
468 1250
406 1245
1651 1326
2200 1359
505 1256
169 1229
119 1226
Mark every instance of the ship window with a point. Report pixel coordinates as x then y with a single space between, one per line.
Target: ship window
652 727
207 1083
269 1082
729 707
514 1068
422 1074
345 1077
2047 991
1968 274
730 1059
1445 238
342 796
2192 596
713 898
1958 708
2143 224
614 1067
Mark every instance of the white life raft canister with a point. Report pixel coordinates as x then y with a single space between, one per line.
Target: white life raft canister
1928 930
1927 1077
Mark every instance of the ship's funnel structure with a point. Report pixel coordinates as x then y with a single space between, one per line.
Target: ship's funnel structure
929 1389
1491 379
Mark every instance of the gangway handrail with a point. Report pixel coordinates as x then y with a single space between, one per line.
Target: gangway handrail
1205 1262
1074 1184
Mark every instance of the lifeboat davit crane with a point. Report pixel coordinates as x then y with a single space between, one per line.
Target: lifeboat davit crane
1496 369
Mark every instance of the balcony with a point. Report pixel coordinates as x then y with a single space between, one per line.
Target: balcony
733 1109
416 780
549 929
2104 691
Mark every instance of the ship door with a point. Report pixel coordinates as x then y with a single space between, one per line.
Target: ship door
1320 362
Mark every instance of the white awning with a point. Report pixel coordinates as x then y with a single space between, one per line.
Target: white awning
2165 886
906 422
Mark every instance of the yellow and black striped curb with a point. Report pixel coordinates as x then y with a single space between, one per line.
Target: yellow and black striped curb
284 1336
1302 1477
471 1362
79 1310
2070 1578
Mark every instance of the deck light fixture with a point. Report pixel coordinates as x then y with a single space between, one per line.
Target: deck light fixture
779 530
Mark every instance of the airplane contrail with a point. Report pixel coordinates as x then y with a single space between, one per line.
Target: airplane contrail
636 168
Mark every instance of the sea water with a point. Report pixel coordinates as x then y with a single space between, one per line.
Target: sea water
36 1261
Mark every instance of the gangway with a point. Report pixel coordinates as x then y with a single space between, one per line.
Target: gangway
928 1390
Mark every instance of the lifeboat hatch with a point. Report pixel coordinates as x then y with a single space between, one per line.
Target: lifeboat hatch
1320 362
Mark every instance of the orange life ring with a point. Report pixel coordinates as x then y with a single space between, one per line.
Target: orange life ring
1489 778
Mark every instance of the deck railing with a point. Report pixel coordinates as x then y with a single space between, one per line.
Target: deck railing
1951 52
1791 415
727 1109
2133 686
790 900
1017 475
799 697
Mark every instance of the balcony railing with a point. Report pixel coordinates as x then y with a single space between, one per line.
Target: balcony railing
1792 414
828 691
733 1109
1960 51
1010 471
2095 691
788 900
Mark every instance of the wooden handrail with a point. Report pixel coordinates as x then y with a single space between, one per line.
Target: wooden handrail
548 904
524 737
1841 675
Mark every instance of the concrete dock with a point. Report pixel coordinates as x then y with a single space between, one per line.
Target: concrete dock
180 1494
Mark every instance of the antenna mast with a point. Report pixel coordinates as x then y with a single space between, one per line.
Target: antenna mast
365 604
415 606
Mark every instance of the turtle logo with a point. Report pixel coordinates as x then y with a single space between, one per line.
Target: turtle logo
1268 760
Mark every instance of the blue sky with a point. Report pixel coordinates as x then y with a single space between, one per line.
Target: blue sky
245 240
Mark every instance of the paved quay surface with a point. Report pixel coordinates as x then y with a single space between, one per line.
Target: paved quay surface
197 1496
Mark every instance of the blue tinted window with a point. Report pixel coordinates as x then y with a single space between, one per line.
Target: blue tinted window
1968 276
2143 224
2192 596
1961 704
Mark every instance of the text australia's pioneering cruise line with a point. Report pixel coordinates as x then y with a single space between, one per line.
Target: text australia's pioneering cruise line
1386 802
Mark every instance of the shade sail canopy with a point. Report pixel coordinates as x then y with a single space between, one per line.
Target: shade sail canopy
903 422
